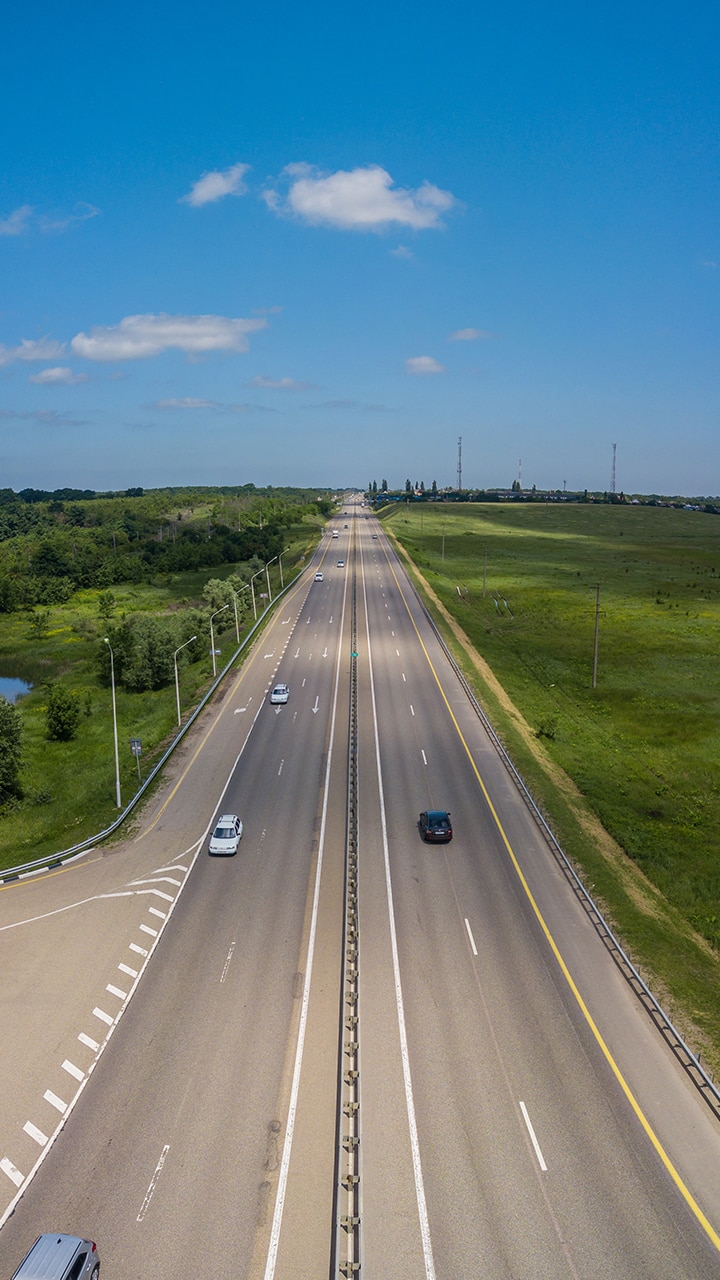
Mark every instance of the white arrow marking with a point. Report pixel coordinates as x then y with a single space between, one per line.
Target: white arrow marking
325 652
278 710
269 655
314 710
296 654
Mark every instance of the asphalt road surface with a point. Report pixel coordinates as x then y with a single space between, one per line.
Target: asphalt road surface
172 1026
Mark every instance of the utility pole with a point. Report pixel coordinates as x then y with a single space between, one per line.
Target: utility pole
459 466
597 629
612 473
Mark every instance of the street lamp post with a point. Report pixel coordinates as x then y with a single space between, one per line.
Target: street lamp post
267 575
117 758
237 624
282 580
252 587
212 636
247 586
177 682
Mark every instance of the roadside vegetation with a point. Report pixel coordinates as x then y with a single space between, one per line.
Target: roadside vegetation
146 571
627 772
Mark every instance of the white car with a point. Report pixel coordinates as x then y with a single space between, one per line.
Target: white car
318 577
341 564
280 694
227 835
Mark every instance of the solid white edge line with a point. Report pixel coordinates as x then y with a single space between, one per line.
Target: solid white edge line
533 1139
404 1053
295 1088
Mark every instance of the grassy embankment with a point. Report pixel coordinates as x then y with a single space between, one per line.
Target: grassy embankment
643 748
69 787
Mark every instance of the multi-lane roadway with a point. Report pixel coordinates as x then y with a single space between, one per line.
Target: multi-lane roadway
173 1026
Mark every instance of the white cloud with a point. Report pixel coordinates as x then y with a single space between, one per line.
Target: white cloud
213 186
60 222
361 199
469 335
29 349
17 222
26 219
278 384
58 376
186 402
402 251
137 337
423 364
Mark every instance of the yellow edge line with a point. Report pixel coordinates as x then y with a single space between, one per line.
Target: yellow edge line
682 1188
26 880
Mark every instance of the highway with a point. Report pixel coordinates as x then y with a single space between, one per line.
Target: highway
181 1022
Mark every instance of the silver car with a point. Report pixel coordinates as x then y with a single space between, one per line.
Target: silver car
60 1257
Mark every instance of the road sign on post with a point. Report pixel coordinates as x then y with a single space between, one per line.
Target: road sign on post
136 748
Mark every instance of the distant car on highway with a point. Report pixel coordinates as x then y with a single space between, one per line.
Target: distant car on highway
227 835
57 1256
341 564
374 535
280 694
435 826
318 577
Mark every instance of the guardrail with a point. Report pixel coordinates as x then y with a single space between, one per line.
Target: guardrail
65 855
690 1062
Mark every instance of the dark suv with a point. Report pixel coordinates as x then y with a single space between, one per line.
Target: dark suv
435 825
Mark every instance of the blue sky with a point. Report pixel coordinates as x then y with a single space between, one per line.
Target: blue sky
314 245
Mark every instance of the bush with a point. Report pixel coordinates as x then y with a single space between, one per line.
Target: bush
62 713
10 751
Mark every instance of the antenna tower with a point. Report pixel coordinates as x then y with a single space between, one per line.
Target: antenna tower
612 473
459 464
520 474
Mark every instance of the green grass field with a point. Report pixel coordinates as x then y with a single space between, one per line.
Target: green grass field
643 746
69 787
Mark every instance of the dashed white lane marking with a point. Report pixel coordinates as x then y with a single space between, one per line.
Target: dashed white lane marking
470 936
36 1134
72 1070
533 1139
281 767
55 1102
125 968
153 1183
397 652
412 709
115 991
227 963
88 1042
403 676
155 911
12 1172
140 951
145 928
422 753
107 1018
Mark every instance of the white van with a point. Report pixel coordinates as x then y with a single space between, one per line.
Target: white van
60 1257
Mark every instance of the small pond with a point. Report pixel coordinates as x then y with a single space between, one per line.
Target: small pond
12 689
